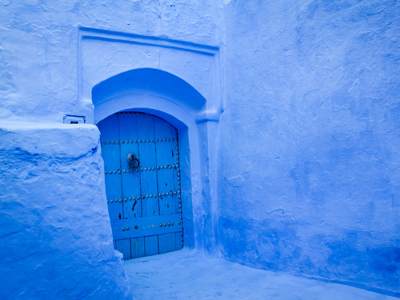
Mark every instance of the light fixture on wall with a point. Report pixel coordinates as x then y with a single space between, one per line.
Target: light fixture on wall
72 119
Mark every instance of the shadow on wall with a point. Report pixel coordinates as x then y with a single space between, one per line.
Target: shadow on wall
152 80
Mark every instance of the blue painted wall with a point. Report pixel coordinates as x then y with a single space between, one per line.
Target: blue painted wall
55 233
56 242
307 147
39 59
309 153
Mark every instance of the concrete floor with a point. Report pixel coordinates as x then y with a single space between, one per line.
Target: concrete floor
189 274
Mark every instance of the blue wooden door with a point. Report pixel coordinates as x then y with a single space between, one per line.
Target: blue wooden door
142 172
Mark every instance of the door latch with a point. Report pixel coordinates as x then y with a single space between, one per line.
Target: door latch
133 161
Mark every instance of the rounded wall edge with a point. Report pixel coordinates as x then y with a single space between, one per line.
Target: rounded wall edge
149 79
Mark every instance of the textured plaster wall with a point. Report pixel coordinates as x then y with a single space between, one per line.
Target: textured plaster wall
39 61
55 233
56 242
310 157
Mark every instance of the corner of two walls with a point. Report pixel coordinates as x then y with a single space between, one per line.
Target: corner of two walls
305 152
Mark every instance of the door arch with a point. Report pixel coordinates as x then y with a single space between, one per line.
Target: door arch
143 183
180 104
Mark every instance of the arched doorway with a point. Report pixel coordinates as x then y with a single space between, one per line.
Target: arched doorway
172 99
143 183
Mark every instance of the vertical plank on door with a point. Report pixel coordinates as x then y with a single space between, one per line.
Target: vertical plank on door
137 247
130 178
148 176
151 245
176 171
124 246
177 186
164 166
166 242
178 240
112 165
147 152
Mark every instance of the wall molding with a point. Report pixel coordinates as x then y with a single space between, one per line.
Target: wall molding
201 51
123 37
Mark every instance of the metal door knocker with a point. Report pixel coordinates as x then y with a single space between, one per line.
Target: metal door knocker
133 161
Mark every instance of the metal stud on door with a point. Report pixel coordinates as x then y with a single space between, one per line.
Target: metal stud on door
141 160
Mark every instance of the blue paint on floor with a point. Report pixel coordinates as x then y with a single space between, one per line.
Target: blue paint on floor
191 274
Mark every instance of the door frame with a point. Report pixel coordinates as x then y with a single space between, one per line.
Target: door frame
199 215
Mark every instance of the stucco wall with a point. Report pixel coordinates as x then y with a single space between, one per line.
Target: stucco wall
39 59
55 232
55 237
310 157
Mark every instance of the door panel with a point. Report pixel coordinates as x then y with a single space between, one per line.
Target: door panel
112 165
147 151
178 240
144 203
124 246
151 245
166 242
130 178
165 138
137 247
